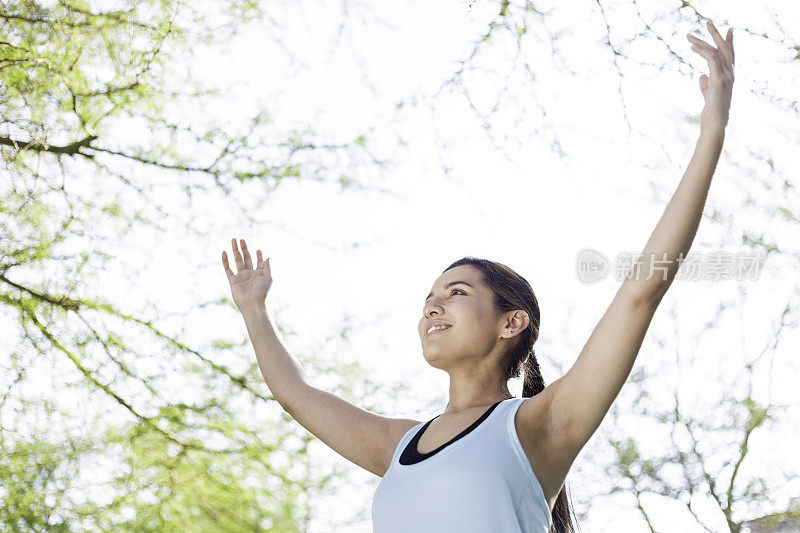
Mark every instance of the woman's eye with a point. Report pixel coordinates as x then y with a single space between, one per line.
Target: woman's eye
451 292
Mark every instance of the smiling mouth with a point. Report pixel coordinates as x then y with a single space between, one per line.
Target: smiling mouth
437 330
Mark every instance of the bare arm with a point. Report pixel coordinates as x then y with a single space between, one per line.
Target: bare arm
677 227
675 231
581 398
281 370
367 439
364 438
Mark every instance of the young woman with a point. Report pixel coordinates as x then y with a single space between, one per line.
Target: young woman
491 462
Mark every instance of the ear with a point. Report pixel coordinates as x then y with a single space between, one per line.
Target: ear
523 319
518 321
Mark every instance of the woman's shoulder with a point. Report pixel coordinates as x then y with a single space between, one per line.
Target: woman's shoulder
539 441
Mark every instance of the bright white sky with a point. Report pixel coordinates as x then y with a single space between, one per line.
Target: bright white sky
522 205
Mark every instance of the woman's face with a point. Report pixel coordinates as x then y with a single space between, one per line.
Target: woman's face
467 308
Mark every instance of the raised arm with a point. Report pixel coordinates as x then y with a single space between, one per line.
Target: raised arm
365 438
579 400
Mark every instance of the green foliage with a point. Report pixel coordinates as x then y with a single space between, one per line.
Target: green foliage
70 75
166 488
155 485
67 67
36 479
22 506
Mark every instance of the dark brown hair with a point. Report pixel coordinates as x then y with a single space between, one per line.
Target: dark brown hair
512 292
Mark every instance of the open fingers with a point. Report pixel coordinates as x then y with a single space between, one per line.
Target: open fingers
729 40
228 271
717 57
715 61
722 45
248 262
237 257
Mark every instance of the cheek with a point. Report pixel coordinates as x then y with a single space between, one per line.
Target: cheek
476 310
474 319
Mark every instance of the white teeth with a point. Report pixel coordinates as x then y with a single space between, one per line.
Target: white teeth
437 327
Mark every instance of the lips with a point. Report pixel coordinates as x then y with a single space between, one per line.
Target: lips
437 331
437 323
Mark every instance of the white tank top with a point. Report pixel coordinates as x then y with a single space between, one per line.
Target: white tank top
480 481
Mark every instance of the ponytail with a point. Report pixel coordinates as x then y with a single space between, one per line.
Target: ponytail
533 384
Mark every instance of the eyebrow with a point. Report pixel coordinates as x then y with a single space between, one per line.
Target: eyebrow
448 285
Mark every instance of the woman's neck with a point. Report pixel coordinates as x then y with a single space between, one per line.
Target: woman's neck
466 406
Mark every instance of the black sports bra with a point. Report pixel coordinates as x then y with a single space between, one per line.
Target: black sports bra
412 456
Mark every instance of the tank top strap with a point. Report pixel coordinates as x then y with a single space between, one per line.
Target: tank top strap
404 442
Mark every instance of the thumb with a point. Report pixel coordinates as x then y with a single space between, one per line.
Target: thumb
703 84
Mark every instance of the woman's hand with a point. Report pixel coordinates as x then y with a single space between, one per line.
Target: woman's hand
717 88
249 286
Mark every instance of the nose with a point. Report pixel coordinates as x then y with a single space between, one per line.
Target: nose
432 307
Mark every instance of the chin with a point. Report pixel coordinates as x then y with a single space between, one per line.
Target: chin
436 360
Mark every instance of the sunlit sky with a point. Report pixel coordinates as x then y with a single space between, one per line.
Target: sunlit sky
508 196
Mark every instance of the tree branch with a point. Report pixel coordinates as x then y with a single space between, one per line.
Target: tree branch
70 149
